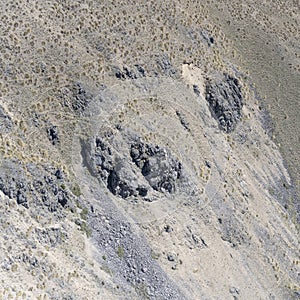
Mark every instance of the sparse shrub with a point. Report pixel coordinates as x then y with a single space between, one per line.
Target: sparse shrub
120 251
76 190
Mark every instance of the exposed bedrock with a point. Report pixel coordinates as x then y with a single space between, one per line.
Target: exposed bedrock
226 101
142 169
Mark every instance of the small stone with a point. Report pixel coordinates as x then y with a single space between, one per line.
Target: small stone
142 191
196 90
233 290
59 174
21 198
171 257
141 70
62 198
208 164
168 228
183 120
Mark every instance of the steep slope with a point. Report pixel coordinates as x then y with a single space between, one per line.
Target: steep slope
137 158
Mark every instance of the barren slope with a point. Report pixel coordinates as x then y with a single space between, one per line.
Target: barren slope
137 157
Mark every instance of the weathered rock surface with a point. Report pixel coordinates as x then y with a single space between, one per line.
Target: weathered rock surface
115 182
144 168
130 73
226 101
43 188
157 165
76 97
166 66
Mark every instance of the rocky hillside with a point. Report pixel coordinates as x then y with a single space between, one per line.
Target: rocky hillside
139 158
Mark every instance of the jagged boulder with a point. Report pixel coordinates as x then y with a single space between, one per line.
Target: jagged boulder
122 181
157 165
226 101
117 173
53 134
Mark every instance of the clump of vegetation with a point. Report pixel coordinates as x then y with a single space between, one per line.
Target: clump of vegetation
84 213
154 255
76 190
84 227
120 251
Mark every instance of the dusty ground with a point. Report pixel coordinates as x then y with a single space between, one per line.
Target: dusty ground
82 83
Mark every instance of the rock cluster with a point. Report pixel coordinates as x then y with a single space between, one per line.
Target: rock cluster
166 66
145 169
44 188
81 98
51 236
127 255
76 97
127 73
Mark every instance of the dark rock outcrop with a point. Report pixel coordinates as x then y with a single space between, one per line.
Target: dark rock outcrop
157 165
53 135
130 73
103 159
122 181
154 168
226 101
114 172
43 189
